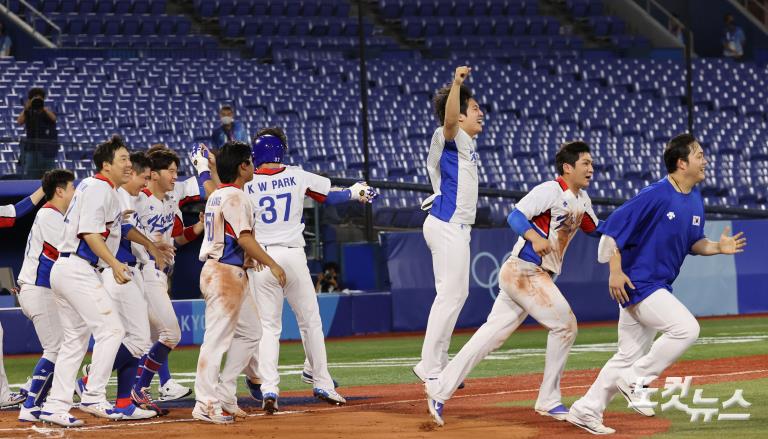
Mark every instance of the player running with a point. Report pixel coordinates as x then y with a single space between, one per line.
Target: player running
546 220
645 242
277 193
452 167
229 246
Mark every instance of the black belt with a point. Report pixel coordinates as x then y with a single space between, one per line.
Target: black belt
66 255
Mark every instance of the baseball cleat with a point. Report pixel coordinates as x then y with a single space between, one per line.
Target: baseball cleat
132 413
143 399
233 410
31 414
254 389
172 391
329 396
270 403
635 401
592 426
435 408
307 378
211 413
12 399
559 412
101 409
60 419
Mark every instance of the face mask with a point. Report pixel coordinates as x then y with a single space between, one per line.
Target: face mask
227 120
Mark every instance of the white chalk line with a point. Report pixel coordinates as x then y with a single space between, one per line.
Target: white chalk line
121 424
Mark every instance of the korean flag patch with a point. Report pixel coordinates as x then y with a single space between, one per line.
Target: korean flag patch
696 220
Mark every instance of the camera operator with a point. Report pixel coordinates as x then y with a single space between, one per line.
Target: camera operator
38 150
327 281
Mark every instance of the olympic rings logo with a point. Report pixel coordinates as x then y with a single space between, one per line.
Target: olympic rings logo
492 282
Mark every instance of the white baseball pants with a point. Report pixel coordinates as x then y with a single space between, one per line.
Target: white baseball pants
131 305
85 308
449 244
39 305
638 325
242 350
162 317
525 289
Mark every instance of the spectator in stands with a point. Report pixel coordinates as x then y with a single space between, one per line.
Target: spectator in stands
675 28
38 149
327 281
5 43
733 39
230 130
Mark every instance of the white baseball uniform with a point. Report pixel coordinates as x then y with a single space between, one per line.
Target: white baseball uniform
224 284
277 196
85 307
452 168
35 295
161 221
129 298
525 279
7 216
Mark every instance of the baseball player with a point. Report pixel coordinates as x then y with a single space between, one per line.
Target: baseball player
159 216
452 167
277 193
35 296
91 237
546 220
8 215
229 246
645 242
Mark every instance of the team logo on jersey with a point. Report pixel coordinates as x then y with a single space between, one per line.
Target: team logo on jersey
696 220
474 157
671 215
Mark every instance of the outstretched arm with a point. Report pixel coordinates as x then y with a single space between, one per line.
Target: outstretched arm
728 245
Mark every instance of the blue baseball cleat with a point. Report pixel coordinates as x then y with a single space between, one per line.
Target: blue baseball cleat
254 390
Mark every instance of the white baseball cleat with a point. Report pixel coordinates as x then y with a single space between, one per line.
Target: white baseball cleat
60 419
591 425
102 409
633 398
31 414
132 413
329 396
559 412
172 391
12 399
211 413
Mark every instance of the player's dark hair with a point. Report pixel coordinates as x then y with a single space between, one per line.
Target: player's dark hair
226 107
156 147
105 152
53 179
273 131
441 97
229 158
569 152
677 149
140 162
162 159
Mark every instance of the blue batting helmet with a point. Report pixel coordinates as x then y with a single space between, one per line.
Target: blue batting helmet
268 149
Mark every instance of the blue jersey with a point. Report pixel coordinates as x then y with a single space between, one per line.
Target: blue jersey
654 232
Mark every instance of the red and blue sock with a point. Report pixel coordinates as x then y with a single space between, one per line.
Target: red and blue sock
157 356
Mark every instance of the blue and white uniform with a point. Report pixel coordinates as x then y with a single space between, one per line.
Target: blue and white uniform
84 305
527 288
452 168
224 284
654 231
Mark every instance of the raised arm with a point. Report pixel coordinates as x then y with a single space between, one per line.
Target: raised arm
453 104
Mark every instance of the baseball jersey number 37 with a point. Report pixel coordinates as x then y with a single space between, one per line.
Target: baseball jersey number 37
271 207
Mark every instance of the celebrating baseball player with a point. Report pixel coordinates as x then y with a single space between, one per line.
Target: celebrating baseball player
228 247
277 193
92 234
546 220
35 296
452 168
645 242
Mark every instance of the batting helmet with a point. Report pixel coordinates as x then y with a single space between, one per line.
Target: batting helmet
268 149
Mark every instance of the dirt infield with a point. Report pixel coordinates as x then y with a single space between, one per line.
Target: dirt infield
399 411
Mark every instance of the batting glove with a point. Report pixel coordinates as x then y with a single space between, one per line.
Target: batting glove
199 157
361 190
